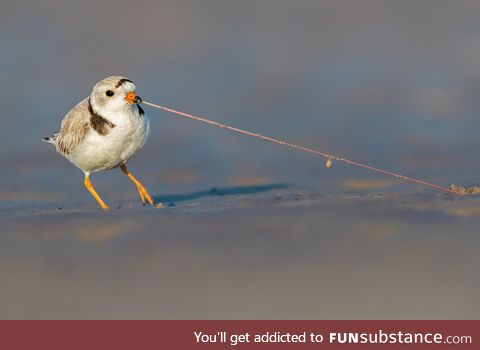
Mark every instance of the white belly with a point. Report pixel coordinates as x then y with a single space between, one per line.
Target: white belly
102 152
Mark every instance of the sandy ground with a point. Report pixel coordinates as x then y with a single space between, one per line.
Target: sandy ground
251 252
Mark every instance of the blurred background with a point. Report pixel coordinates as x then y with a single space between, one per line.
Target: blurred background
391 83
394 84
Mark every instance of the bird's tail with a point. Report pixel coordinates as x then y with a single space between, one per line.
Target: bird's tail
51 139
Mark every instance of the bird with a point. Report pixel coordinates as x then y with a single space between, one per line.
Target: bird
104 131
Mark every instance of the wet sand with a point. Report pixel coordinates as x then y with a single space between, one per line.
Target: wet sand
251 252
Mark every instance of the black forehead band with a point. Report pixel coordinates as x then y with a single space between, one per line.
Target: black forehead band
122 81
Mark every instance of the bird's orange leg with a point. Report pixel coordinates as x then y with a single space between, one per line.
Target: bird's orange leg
144 195
94 193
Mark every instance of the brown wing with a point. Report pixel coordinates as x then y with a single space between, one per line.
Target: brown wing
74 127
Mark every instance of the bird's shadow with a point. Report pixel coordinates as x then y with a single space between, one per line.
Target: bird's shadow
215 191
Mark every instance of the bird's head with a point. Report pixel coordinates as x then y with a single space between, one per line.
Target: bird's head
114 93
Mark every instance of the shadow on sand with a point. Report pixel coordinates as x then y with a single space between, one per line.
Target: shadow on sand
227 191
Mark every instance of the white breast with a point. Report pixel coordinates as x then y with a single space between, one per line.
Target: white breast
101 152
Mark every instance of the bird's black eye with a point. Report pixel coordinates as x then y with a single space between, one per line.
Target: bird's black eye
109 93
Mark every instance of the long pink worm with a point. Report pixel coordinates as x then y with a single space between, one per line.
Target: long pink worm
301 148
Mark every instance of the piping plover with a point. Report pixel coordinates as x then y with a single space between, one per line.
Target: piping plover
104 131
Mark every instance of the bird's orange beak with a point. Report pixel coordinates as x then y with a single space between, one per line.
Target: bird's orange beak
133 98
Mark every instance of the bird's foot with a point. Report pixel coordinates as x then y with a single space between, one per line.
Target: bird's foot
146 197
